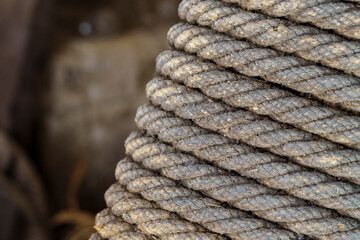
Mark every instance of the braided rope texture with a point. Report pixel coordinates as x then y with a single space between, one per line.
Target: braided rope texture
304 41
221 219
252 130
342 17
110 227
262 98
151 219
213 181
289 71
200 209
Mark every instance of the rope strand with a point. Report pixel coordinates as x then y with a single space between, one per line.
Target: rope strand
289 71
259 97
304 41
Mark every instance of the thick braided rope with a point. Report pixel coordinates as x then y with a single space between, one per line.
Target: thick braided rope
197 208
151 219
113 228
208 212
342 17
250 128
240 192
259 97
186 136
289 71
304 41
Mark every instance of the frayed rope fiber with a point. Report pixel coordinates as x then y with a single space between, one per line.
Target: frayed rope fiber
252 130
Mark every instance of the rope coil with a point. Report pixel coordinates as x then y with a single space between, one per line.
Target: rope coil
235 224
112 228
306 42
151 219
253 130
341 17
215 182
259 97
195 207
289 71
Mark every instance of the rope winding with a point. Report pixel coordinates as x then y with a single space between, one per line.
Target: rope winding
289 71
113 228
243 193
235 224
342 17
254 130
151 219
252 85
304 41
259 97
196 208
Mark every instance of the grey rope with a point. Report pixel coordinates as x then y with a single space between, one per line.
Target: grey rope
113 228
250 128
304 41
342 17
289 71
259 97
197 208
227 150
151 219
243 193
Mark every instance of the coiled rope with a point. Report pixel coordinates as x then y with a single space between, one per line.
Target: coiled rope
304 41
245 194
252 130
151 219
112 228
260 97
289 71
194 207
235 224
335 15
249 128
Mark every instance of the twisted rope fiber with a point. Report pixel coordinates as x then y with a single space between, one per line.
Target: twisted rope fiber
251 128
306 42
342 17
196 208
289 71
243 193
151 219
111 227
228 154
259 97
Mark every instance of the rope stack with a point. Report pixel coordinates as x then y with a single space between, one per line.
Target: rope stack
252 130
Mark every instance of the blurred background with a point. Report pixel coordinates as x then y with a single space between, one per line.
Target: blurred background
72 74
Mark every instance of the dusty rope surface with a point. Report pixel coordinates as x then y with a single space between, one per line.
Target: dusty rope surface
304 41
342 17
259 97
235 224
289 71
151 219
195 207
247 127
112 228
253 131
241 192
